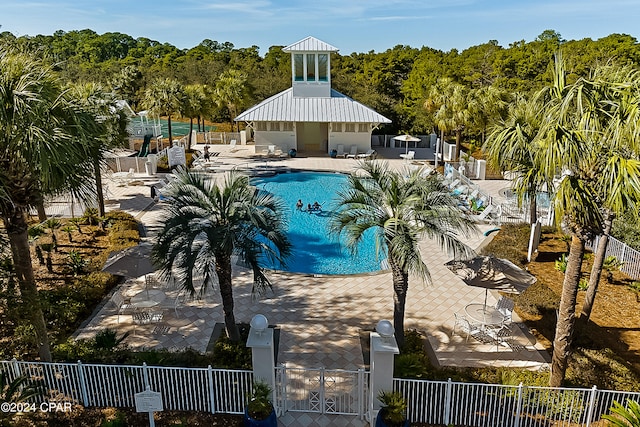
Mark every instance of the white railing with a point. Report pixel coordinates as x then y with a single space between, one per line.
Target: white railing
183 389
320 391
220 137
629 257
487 405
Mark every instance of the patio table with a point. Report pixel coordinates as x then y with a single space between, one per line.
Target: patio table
148 298
484 315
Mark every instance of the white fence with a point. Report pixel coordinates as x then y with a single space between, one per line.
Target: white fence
183 389
487 405
629 257
319 391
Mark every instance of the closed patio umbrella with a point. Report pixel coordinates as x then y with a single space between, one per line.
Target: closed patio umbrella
130 262
492 273
406 138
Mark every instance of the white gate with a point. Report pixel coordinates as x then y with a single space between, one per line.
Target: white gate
323 391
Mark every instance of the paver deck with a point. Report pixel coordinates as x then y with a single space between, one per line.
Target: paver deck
320 318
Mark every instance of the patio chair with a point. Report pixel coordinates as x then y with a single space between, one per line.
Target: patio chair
505 307
409 156
122 304
340 151
369 154
233 146
463 324
502 336
353 152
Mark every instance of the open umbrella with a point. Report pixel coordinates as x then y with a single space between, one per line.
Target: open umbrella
130 262
406 138
492 273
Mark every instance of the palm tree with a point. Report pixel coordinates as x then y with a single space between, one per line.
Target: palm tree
164 97
230 92
103 126
510 147
39 157
195 100
451 105
402 208
595 174
206 224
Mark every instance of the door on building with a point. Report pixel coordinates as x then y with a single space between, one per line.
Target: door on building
312 136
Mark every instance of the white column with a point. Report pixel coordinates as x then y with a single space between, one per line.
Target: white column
261 342
383 348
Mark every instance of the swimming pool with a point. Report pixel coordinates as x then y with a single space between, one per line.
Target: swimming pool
316 250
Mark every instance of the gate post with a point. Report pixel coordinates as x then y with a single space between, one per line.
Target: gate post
260 341
383 347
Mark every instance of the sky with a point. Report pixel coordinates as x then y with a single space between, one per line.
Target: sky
350 25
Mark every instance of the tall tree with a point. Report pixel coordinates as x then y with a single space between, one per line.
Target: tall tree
102 126
616 95
511 147
39 157
164 97
206 224
572 142
450 104
231 92
401 208
193 106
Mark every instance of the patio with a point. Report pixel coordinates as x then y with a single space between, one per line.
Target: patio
320 327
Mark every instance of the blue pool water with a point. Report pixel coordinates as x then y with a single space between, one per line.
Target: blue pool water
315 249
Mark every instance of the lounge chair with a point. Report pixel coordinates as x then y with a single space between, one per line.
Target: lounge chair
353 153
340 151
232 144
370 153
409 156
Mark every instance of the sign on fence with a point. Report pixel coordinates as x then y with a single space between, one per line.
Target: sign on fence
149 401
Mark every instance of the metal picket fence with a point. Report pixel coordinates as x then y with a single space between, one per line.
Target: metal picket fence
319 391
629 257
489 405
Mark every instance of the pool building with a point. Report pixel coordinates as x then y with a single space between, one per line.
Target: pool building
310 116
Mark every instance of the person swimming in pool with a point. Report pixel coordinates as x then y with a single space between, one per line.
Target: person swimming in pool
299 205
316 206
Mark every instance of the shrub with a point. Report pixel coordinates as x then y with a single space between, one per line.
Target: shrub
394 407
91 216
537 299
561 263
259 406
76 262
511 242
124 237
412 365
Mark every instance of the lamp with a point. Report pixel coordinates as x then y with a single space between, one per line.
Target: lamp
385 329
259 323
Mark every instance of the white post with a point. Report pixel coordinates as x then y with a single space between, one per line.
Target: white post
262 346
383 347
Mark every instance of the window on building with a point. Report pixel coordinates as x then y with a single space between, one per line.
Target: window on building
336 127
311 67
298 67
261 126
323 67
349 127
287 126
363 127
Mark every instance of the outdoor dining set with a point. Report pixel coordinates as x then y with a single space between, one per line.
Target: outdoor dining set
488 324
484 322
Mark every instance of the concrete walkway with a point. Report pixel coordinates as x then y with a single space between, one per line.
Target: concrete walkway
321 319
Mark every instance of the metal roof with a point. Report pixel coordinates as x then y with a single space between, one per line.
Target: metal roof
284 107
310 44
